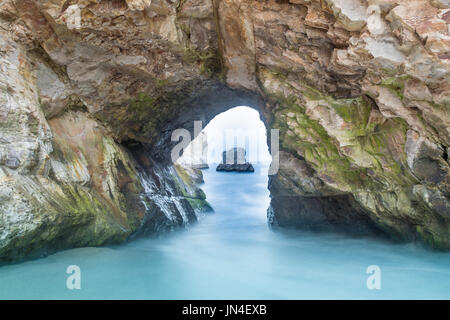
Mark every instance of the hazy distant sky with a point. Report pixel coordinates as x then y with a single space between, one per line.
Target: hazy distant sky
241 127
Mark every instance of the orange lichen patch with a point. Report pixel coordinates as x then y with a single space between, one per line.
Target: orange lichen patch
317 18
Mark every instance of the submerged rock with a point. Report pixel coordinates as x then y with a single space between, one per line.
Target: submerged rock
234 160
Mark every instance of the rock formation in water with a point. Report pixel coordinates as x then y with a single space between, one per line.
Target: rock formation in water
91 90
234 160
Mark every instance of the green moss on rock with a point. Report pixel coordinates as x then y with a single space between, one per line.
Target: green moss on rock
208 61
395 84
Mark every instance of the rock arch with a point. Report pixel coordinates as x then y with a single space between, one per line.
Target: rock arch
90 91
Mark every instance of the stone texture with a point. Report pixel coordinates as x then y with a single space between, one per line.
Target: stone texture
235 167
91 90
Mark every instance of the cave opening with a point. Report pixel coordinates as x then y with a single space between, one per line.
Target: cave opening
239 127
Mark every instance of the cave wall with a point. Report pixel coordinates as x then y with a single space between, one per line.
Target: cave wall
64 181
359 92
90 91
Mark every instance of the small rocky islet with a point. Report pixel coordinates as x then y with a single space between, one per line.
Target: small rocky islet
234 160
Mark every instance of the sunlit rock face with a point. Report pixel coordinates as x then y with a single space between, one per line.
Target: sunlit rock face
91 90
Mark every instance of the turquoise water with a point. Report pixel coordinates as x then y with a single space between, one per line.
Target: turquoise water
232 254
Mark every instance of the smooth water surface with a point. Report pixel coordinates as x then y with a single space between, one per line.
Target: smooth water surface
232 254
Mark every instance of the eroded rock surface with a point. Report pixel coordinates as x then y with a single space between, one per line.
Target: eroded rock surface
90 91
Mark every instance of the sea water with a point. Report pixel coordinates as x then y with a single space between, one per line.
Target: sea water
233 254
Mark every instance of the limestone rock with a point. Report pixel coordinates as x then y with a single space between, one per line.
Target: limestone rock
90 92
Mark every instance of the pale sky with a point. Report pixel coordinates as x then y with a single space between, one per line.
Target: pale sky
240 125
